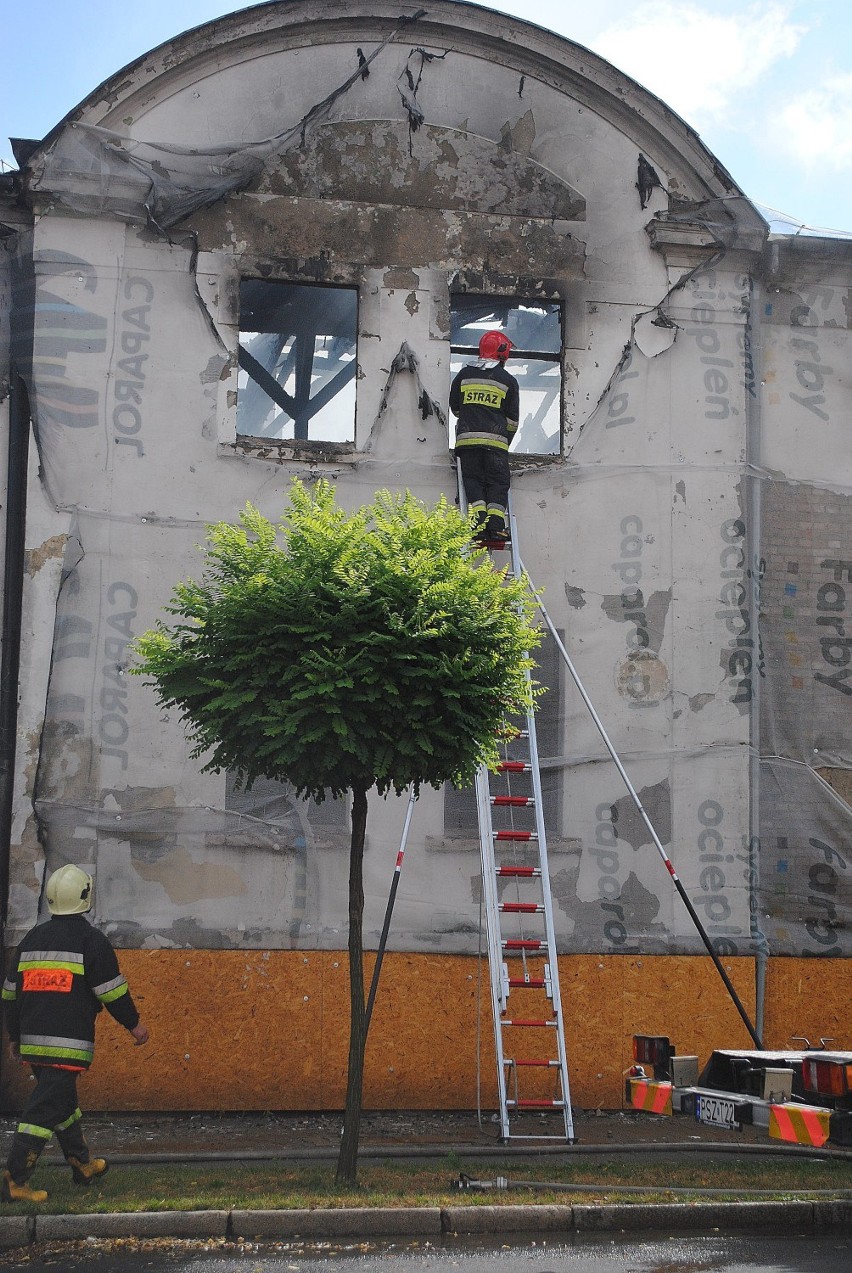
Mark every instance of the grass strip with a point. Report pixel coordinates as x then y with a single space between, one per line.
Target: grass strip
283 1185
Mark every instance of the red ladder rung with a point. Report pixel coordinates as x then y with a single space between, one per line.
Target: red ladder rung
515 835
521 908
529 943
518 802
548 1064
536 1104
514 767
533 983
526 872
526 1021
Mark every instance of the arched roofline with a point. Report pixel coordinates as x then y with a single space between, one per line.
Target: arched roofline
453 24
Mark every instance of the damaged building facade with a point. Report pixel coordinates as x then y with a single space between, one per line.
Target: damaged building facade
259 253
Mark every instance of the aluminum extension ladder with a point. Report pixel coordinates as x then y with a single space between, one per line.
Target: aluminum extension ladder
532 1062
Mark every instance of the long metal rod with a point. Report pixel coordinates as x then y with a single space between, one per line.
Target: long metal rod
634 795
383 940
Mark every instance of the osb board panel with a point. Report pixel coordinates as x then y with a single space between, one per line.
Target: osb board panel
421 1050
592 987
229 1029
686 999
811 998
269 1029
608 999
248 1023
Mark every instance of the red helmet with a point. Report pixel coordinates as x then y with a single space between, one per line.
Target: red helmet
495 344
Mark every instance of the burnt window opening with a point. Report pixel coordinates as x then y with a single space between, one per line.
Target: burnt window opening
297 357
461 819
535 329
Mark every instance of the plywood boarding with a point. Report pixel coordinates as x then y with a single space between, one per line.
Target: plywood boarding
810 998
269 1029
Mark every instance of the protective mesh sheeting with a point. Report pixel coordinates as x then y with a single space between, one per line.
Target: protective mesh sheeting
97 171
689 499
806 600
804 895
638 579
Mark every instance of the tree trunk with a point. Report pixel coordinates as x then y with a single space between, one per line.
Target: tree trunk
347 1162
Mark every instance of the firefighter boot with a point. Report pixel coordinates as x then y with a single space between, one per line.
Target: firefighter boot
85 1172
11 1191
496 530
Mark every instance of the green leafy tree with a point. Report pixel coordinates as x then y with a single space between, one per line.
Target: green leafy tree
344 652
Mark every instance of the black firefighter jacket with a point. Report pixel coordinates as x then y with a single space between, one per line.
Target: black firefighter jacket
64 972
485 397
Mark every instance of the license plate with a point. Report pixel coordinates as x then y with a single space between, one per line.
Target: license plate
716 1111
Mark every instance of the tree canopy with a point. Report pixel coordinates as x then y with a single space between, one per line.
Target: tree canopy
345 650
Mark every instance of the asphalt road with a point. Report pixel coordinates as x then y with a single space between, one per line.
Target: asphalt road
606 1254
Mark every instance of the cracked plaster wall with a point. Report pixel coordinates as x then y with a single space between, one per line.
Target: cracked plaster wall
646 533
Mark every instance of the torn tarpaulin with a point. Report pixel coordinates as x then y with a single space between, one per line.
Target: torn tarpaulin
98 172
647 181
409 86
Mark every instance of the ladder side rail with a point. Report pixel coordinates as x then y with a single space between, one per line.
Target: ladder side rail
487 857
486 847
550 926
491 903
492 930
547 895
489 880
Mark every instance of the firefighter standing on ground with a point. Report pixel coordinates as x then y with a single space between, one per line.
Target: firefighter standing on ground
486 400
64 972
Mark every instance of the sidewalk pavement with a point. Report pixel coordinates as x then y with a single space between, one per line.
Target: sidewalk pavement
141 1138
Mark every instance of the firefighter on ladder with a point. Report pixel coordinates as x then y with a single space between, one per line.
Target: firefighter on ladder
486 401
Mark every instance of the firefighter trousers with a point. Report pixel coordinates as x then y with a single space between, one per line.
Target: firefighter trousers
52 1110
486 476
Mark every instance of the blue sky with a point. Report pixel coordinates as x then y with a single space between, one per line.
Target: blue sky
767 84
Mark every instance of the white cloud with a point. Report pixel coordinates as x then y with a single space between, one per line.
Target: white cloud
815 127
699 61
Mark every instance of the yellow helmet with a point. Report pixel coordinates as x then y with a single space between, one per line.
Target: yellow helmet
69 891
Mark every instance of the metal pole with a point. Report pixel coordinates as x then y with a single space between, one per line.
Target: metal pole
380 953
656 839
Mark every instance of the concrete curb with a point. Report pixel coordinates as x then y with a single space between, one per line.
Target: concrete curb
133 1224
343 1222
16 1231
730 1217
535 1218
831 1216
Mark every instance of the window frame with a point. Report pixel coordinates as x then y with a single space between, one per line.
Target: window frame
298 421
